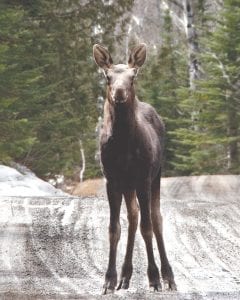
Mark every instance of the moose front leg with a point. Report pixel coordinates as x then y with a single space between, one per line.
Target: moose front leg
144 198
166 270
114 199
132 209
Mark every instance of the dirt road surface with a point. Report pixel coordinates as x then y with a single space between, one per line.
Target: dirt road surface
57 248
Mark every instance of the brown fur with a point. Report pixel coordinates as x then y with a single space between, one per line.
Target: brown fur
131 145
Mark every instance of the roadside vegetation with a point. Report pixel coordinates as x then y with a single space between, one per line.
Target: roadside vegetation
51 95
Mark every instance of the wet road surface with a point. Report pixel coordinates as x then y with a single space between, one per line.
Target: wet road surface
57 248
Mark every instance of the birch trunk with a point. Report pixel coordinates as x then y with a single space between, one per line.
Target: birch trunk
83 161
193 47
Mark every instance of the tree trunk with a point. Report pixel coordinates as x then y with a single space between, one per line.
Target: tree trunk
193 47
233 132
83 161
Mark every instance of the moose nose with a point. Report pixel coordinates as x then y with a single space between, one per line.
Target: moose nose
120 96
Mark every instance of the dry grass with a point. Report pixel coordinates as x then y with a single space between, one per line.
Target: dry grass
91 187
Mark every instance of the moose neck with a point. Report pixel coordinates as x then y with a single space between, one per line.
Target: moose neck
122 118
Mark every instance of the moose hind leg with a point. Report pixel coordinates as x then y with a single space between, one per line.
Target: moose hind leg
115 199
144 197
127 267
166 270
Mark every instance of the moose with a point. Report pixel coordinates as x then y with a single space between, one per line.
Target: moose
131 148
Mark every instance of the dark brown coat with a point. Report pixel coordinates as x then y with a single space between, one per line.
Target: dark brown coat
131 145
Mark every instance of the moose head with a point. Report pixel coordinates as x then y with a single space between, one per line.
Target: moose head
120 77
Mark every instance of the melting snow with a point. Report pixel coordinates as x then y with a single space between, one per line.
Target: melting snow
24 183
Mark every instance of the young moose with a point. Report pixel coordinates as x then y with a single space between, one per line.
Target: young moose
131 145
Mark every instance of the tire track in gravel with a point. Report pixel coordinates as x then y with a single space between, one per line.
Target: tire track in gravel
57 248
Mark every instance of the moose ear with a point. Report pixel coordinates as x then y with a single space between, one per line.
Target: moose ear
102 57
137 56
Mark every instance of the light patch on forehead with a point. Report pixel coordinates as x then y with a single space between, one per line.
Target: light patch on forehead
122 69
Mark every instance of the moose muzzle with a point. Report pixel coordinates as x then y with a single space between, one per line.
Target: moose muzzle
119 95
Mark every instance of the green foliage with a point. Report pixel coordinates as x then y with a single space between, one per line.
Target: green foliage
16 134
165 74
50 91
48 81
214 106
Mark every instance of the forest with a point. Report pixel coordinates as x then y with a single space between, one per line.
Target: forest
52 93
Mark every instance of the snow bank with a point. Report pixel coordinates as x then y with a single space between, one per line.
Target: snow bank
24 183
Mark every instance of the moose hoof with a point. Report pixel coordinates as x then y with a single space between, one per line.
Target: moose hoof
123 284
169 285
155 287
108 288
154 279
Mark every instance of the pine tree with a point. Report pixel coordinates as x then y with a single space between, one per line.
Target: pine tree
16 133
162 82
55 92
213 132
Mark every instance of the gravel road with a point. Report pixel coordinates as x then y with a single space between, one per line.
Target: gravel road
57 248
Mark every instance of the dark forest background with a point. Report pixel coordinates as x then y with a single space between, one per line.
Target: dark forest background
52 94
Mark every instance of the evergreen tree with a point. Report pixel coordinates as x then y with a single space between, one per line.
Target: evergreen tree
216 130
164 76
16 133
55 92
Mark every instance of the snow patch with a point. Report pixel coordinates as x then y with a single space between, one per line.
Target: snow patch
27 184
67 218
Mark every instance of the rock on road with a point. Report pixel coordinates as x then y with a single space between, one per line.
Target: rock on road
57 247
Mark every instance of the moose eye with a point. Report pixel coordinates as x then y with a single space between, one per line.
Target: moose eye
135 72
132 78
108 79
